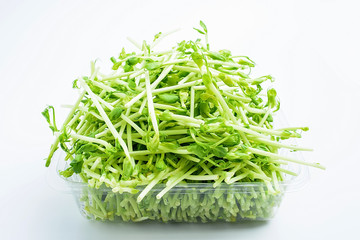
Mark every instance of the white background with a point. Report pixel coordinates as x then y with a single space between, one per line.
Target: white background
310 47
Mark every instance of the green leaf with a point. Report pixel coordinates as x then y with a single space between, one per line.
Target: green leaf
222 163
263 147
132 84
127 169
157 36
243 75
182 46
116 66
46 114
218 128
166 116
216 56
172 79
132 61
77 163
198 59
160 163
199 31
169 98
74 84
51 122
152 65
184 95
198 150
87 148
122 54
286 134
67 173
262 79
246 63
208 97
233 140
271 94
226 79
116 113
152 141
202 24
173 145
219 151
113 60
207 80
237 156
204 109
127 68
225 53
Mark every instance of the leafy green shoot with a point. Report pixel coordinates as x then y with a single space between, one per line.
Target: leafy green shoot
180 116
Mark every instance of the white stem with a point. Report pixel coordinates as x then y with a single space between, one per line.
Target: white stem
165 190
162 36
230 64
253 110
150 103
153 85
265 117
143 104
106 104
243 116
90 139
192 102
281 145
135 43
132 124
75 118
186 119
129 140
107 120
237 97
237 178
277 156
187 69
202 178
167 107
150 186
176 87
188 77
103 133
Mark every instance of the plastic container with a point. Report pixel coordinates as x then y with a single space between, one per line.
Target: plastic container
187 202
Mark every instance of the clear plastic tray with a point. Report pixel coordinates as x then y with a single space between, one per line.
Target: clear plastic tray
185 202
